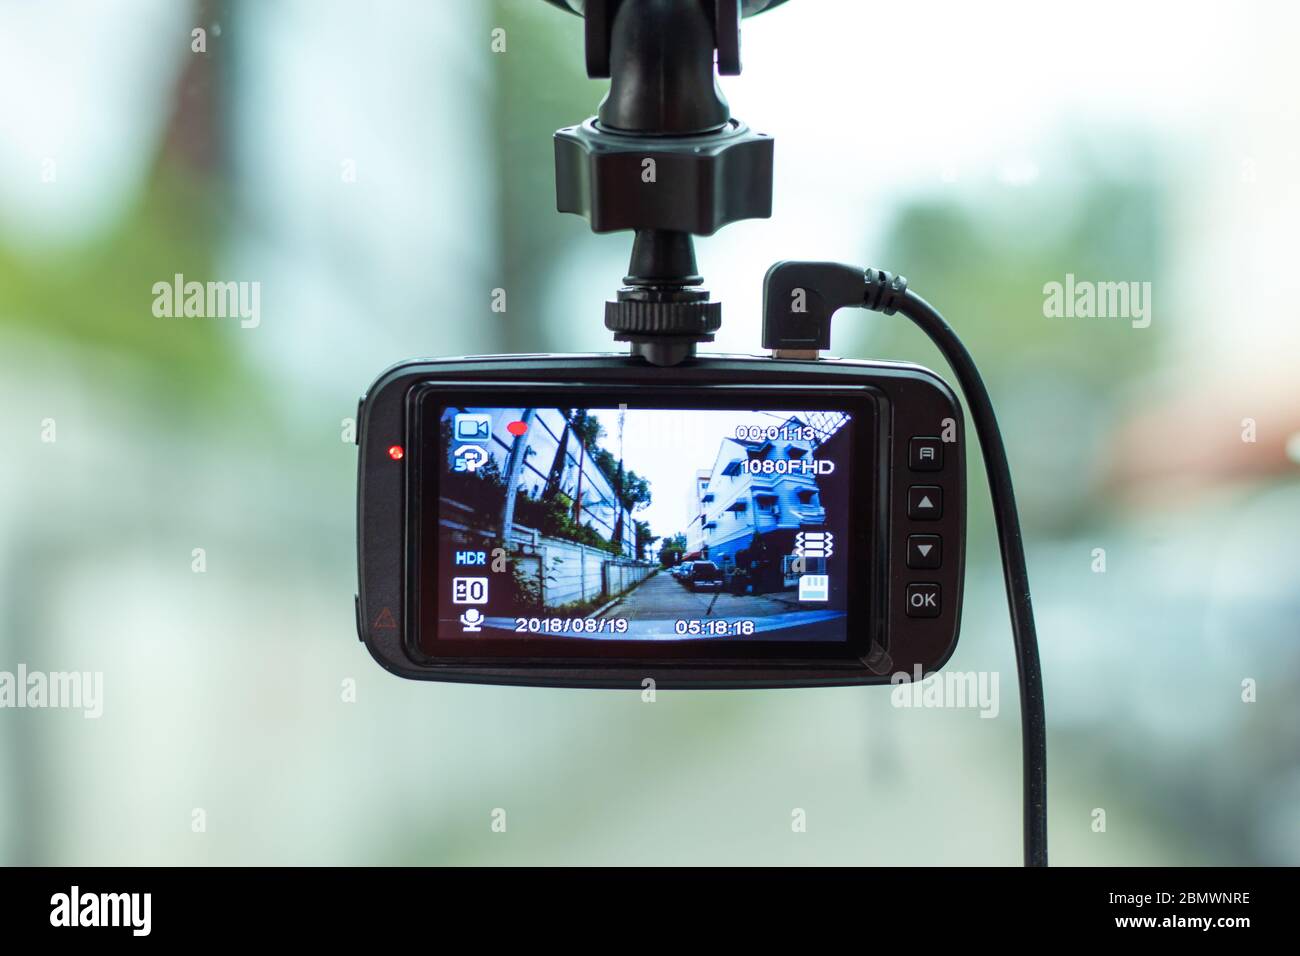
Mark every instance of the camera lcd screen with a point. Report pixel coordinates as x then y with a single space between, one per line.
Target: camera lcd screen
617 530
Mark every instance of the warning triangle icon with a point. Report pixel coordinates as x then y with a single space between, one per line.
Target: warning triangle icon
385 620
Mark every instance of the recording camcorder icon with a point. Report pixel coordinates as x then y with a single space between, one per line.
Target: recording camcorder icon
472 428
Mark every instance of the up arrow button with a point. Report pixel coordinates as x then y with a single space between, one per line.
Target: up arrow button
925 502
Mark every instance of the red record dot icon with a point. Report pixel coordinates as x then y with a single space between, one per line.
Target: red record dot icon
517 428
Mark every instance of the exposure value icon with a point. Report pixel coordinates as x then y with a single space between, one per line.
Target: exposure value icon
469 590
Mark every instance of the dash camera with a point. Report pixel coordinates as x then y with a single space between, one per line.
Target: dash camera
700 520
589 520
696 520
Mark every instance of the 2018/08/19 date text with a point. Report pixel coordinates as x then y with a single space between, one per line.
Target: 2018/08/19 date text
570 625
579 625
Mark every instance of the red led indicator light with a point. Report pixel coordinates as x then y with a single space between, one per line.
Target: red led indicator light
395 452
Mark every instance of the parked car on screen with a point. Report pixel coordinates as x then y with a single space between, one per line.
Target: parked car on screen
704 576
682 570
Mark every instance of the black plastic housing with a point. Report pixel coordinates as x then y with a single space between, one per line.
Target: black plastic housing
910 402
701 182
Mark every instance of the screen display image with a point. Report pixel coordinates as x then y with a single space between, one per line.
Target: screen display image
638 524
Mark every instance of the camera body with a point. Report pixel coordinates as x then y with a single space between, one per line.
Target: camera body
591 520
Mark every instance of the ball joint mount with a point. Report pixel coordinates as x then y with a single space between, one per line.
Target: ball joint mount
664 158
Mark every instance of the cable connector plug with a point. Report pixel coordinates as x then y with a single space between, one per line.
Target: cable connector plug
800 299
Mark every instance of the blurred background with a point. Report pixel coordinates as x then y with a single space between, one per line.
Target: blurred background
379 169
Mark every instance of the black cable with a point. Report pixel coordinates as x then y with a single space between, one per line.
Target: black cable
822 288
887 293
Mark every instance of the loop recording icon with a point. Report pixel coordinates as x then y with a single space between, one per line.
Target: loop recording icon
814 544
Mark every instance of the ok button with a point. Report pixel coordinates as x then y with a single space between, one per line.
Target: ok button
923 600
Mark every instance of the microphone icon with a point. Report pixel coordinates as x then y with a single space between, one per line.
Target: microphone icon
471 621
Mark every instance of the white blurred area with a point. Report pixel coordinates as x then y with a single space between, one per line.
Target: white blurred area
223 689
873 104
78 114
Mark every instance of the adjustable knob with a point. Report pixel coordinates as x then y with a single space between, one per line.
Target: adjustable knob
633 314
